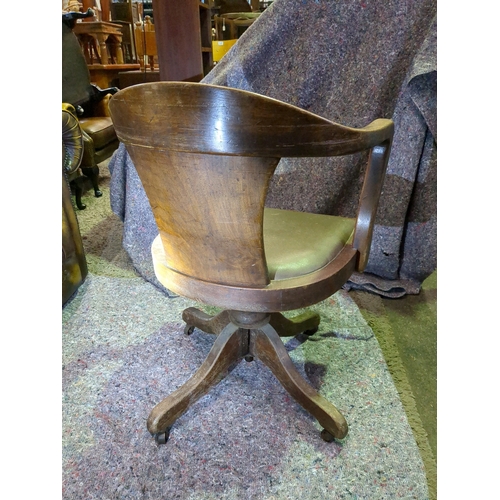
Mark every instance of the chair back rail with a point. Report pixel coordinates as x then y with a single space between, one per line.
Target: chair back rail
202 118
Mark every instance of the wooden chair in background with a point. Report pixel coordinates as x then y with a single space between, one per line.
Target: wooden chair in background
205 155
145 40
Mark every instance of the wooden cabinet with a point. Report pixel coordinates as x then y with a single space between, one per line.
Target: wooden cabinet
184 53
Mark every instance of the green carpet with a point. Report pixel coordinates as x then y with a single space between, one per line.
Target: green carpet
406 330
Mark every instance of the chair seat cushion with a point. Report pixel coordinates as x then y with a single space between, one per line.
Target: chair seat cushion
100 129
298 243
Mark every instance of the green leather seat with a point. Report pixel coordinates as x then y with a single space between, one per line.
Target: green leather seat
298 243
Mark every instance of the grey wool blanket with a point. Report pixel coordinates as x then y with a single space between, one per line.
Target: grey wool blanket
350 62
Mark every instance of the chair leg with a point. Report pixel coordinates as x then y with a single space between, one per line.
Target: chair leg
78 193
228 349
306 323
194 318
266 345
93 174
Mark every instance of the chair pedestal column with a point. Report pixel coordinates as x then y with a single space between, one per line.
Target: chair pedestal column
247 335
306 323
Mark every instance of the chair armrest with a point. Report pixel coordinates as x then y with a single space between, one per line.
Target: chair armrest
383 131
88 157
69 107
102 107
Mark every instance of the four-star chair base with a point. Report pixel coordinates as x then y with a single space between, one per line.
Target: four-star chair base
245 335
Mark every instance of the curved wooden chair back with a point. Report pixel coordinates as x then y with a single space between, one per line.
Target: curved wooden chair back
205 155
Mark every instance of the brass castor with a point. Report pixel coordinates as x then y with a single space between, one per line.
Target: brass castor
327 436
188 329
162 437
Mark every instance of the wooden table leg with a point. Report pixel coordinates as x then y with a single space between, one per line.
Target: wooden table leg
101 40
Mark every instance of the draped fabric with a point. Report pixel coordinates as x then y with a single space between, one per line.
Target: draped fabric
351 62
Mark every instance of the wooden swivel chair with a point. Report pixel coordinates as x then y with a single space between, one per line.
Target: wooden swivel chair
205 155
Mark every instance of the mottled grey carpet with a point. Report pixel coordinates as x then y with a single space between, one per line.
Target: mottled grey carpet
124 350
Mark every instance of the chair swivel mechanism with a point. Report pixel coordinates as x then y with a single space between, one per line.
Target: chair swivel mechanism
205 155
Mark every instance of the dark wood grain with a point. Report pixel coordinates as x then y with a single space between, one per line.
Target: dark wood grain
220 120
247 336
